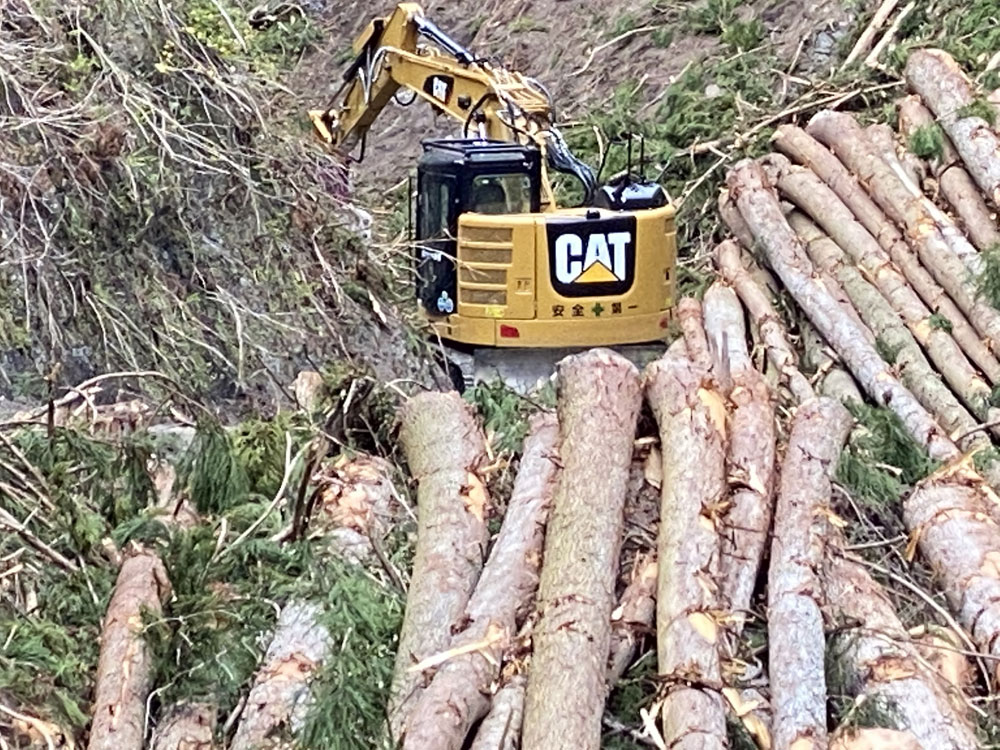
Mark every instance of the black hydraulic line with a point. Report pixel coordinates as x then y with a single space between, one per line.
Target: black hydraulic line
429 29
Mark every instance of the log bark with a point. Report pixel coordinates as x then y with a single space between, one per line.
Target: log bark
834 380
501 729
633 618
806 150
915 371
599 401
869 738
280 697
458 695
757 301
944 87
726 333
759 206
883 663
808 192
842 133
795 622
883 138
445 449
954 181
731 218
692 323
750 458
691 417
952 518
124 668
187 726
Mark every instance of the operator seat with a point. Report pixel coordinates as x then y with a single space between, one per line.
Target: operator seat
489 198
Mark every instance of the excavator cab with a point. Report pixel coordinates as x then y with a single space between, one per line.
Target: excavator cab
460 176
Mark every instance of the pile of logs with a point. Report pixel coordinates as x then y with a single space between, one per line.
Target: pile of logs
879 249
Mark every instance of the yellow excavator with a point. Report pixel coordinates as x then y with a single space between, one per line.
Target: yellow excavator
499 265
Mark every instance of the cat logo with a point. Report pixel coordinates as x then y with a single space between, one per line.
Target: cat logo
592 257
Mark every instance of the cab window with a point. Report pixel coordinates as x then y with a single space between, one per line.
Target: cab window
435 206
501 194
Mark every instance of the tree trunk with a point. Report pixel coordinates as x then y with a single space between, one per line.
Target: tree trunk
914 369
772 331
954 181
808 192
951 518
726 333
187 726
751 456
279 699
842 133
445 449
834 380
937 78
501 729
796 642
124 669
759 206
868 738
458 695
691 319
883 663
883 139
806 150
633 618
732 219
692 422
599 401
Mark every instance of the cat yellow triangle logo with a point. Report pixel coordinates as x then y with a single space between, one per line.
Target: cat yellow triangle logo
597 273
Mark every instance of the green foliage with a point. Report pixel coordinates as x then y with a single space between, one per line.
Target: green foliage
711 16
979 108
504 412
927 141
988 279
363 618
635 691
742 35
214 476
941 322
846 712
739 737
880 461
887 350
259 446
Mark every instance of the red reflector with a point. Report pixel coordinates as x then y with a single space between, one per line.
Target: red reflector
509 332
664 322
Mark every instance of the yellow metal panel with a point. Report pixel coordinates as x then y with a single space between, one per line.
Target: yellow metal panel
496 261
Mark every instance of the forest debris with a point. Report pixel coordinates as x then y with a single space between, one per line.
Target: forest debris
458 694
687 599
947 91
834 380
795 592
772 330
187 726
308 390
501 729
599 401
806 150
280 697
883 664
444 447
759 206
124 670
864 43
942 649
954 181
949 517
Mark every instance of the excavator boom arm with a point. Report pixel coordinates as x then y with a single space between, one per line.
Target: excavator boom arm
489 100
